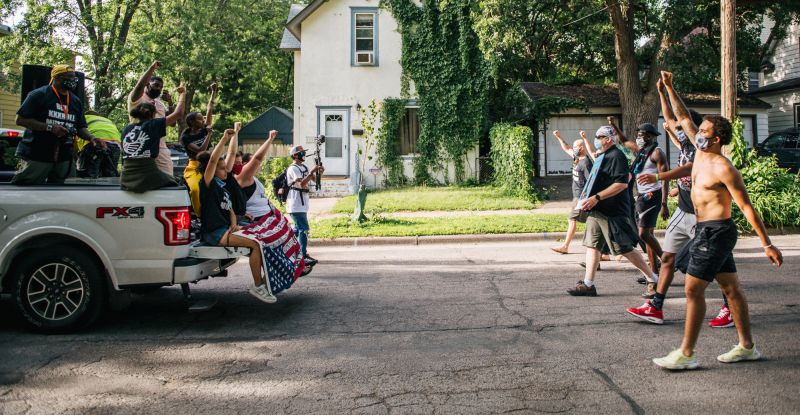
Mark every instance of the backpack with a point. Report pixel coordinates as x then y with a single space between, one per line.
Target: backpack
280 182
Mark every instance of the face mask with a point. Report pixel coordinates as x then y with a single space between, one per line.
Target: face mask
640 142
153 94
702 142
598 144
682 136
301 155
70 84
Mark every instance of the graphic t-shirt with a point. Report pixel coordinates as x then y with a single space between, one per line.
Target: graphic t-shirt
685 183
164 158
580 171
42 104
296 201
141 141
197 139
613 169
216 204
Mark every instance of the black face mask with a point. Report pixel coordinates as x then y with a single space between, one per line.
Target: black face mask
153 93
70 84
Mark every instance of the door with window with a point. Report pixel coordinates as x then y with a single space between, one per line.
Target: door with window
335 152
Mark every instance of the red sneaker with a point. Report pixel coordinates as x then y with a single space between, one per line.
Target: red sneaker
723 319
648 313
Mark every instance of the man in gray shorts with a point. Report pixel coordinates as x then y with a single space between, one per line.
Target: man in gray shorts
681 227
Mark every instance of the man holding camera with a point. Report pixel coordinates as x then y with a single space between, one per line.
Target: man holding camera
298 176
55 115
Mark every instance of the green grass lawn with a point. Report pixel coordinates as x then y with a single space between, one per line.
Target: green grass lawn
465 225
415 199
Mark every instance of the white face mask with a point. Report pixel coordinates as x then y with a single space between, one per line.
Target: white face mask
640 142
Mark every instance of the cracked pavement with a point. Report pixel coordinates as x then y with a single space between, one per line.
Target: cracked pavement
462 328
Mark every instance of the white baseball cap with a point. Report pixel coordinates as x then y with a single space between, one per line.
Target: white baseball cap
295 150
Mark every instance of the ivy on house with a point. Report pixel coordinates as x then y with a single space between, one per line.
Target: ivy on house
441 55
387 146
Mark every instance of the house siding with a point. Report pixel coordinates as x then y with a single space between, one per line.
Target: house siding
786 58
781 116
9 104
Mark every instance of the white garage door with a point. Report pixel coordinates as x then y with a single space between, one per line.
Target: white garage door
558 162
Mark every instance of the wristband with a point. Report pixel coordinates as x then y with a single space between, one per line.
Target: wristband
657 178
768 246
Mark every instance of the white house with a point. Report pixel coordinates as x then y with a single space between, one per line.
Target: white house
346 53
779 79
603 101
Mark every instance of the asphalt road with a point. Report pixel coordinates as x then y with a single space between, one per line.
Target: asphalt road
470 328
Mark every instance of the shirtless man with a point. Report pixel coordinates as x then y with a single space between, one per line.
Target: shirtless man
715 184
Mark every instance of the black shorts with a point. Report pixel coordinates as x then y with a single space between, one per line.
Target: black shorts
711 251
648 206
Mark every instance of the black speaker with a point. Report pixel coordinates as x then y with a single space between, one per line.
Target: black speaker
36 76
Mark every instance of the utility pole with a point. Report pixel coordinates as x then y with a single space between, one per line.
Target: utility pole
728 43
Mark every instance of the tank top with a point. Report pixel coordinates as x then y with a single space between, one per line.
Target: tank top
258 204
650 167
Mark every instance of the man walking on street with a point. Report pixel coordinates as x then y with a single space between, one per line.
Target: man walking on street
581 166
608 201
716 183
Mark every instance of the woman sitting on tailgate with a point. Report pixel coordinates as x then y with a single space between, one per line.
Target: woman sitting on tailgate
217 215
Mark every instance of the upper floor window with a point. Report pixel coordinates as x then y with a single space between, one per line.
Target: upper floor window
364 50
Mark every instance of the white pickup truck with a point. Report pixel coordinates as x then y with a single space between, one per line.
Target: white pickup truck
68 252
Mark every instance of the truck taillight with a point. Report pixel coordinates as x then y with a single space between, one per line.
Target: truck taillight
177 224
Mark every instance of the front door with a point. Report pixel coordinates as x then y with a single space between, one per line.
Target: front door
335 155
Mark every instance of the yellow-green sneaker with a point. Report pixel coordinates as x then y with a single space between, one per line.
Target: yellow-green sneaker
675 360
739 354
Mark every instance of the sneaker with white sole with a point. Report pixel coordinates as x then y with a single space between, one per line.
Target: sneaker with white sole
648 313
263 294
723 319
740 354
676 360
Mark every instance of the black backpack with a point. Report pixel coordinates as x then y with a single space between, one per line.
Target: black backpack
279 183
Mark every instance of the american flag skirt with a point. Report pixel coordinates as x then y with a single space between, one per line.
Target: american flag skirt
282 257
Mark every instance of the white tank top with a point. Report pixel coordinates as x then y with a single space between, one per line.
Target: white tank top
650 167
259 205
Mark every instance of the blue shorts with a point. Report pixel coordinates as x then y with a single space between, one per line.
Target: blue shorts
214 237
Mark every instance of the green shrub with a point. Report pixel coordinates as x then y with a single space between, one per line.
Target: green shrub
512 159
270 170
773 192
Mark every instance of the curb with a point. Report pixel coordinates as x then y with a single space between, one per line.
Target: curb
447 239
474 239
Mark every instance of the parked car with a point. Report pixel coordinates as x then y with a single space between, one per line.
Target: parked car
179 158
9 138
785 146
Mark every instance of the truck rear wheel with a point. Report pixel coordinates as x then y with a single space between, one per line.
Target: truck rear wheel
59 290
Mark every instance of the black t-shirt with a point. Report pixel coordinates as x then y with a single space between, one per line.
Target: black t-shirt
580 172
141 141
613 169
42 104
215 204
197 139
685 183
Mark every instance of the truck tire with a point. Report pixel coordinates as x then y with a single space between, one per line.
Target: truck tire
59 289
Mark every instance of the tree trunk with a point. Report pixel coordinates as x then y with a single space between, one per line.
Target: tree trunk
637 105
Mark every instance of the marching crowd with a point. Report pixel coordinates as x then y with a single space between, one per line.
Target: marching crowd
700 234
225 192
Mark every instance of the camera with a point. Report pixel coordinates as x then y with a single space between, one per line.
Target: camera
319 140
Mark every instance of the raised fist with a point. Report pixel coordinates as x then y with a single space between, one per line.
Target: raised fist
582 133
214 87
237 126
273 134
156 65
556 133
666 77
610 120
181 89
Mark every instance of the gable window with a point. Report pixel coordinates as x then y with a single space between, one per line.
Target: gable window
408 133
364 45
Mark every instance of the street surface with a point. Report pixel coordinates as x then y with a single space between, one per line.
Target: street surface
469 328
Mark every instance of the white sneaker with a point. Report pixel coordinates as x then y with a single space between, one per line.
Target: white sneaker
263 294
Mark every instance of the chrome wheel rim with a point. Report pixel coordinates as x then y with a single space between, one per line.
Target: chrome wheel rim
55 291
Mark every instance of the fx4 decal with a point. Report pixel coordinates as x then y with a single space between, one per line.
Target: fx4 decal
121 212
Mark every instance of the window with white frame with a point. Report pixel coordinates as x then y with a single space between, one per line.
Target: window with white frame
364 36
797 115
